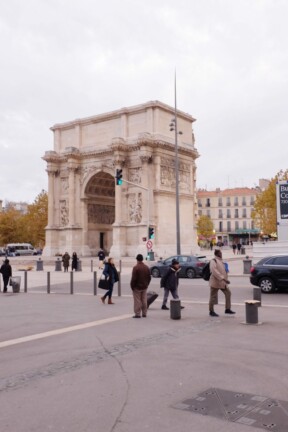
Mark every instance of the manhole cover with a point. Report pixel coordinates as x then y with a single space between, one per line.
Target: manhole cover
247 409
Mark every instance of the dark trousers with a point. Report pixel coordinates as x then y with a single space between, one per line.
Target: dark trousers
5 282
109 292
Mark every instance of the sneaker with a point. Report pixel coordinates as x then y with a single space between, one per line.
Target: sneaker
164 307
214 314
136 316
229 311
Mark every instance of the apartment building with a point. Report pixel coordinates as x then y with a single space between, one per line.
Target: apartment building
230 210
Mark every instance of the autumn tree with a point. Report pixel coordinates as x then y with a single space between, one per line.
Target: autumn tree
265 212
16 227
205 226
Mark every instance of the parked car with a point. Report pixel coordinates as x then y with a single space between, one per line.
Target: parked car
191 266
270 273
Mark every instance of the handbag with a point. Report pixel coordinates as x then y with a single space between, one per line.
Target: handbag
103 283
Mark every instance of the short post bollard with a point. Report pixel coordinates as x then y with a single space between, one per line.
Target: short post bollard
25 282
79 265
58 265
48 282
119 284
175 309
95 283
251 307
247 263
91 265
71 283
39 265
257 294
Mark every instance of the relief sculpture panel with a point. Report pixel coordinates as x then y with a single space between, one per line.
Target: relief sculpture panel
135 207
101 214
64 213
167 174
135 175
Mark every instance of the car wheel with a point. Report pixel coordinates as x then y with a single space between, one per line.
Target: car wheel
267 285
190 273
155 272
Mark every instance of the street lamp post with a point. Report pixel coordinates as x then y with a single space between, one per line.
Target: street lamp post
173 126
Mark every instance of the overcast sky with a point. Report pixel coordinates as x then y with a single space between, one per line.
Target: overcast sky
67 59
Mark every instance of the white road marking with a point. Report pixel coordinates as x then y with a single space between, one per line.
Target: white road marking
64 330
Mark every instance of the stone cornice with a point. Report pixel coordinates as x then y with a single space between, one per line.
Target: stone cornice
118 113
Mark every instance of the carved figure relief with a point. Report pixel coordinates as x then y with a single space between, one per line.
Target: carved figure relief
64 213
101 214
167 174
134 175
64 185
135 207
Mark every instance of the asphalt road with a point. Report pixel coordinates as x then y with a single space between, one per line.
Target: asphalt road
69 363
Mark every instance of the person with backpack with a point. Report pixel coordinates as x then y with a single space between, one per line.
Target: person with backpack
219 280
170 283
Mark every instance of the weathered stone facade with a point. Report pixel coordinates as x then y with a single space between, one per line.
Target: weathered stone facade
87 211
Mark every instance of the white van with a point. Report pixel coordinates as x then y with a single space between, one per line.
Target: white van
18 249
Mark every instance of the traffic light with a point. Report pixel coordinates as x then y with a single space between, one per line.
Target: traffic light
151 233
118 177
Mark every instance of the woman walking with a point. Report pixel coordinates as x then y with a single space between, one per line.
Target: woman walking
111 274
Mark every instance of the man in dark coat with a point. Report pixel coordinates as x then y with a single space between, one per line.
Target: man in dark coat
170 283
101 256
139 283
6 271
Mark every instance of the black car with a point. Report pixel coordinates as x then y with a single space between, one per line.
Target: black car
191 266
270 273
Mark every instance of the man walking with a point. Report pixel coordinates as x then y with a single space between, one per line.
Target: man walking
219 280
170 283
139 283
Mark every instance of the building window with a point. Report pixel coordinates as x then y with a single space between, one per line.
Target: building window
244 225
220 215
244 201
236 213
236 201
228 202
228 226
236 225
252 200
244 213
220 202
208 202
220 226
228 213
200 212
208 214
199 203
252 224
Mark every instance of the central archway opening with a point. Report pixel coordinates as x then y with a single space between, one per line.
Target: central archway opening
100 196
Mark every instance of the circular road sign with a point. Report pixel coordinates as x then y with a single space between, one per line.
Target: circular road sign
149 244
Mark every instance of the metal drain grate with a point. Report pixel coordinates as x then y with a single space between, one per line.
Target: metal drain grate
247 409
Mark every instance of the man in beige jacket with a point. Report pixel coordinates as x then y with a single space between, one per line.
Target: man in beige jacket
219 280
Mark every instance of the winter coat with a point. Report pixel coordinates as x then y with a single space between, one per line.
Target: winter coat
6 271
111 273
66 259
141 277
171 279
74 261
218 273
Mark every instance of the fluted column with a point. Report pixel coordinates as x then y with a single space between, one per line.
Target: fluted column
51 195
72 170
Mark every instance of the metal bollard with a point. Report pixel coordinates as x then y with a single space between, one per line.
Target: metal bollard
71 283
95 282
175 309
119 284
48 282
25 282
79 265
91 265
58 265
251 311
39 265
247 263
257 294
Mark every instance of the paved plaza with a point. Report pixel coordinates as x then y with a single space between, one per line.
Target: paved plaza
70 363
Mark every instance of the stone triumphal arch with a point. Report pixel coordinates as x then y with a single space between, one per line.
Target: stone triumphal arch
86 210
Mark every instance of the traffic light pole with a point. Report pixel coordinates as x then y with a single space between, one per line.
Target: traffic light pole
148 207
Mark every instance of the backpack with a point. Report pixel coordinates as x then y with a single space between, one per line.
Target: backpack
206 273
